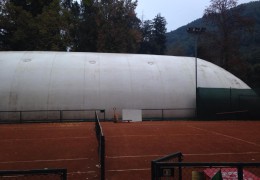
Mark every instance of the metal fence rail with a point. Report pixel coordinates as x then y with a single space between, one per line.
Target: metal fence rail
34 174
49 115
101 146
164 169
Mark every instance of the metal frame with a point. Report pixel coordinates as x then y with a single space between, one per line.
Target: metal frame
154 164
158 165
171 165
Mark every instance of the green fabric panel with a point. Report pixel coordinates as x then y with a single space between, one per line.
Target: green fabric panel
214 103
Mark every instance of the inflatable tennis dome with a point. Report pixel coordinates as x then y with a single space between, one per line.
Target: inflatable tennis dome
46 81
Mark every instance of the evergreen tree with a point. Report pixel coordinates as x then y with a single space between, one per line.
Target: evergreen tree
73 26
52 28
86 29
159 37
70 12
147 29
154 36
118 26
17 28
34 7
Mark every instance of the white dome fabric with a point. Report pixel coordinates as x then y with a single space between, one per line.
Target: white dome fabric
69 81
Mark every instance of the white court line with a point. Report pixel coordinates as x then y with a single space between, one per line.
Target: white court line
231 137
216 154
203 154
137 156
80 172
38 139
167 135
44 126
49 160
124 170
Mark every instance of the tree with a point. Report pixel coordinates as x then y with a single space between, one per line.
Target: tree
52 28
227 20
92 25
86 26
118 26
34 7
17 28
33 25
147 29
158 32
71 14
153 36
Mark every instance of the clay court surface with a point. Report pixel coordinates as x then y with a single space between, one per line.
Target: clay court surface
130 147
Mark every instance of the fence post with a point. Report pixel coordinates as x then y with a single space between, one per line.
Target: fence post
64 174
153 170
180 169
21 117
60 115
230 99
240 172
162 114
198 104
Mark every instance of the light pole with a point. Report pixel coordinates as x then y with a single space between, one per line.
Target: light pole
196 31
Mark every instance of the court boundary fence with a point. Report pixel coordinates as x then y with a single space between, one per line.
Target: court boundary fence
101 146
165 167
61 172
59 115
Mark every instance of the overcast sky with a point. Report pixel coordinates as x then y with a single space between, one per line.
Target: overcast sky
177 12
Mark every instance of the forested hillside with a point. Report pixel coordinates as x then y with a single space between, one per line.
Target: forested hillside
246 53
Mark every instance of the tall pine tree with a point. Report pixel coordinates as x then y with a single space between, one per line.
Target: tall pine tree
86 29
154 36
118 26
158 34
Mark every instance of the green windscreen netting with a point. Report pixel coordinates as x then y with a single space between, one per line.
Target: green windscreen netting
222 103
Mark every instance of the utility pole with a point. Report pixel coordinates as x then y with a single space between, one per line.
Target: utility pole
197 31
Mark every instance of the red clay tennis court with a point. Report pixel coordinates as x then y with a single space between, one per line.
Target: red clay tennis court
130 147
50 145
